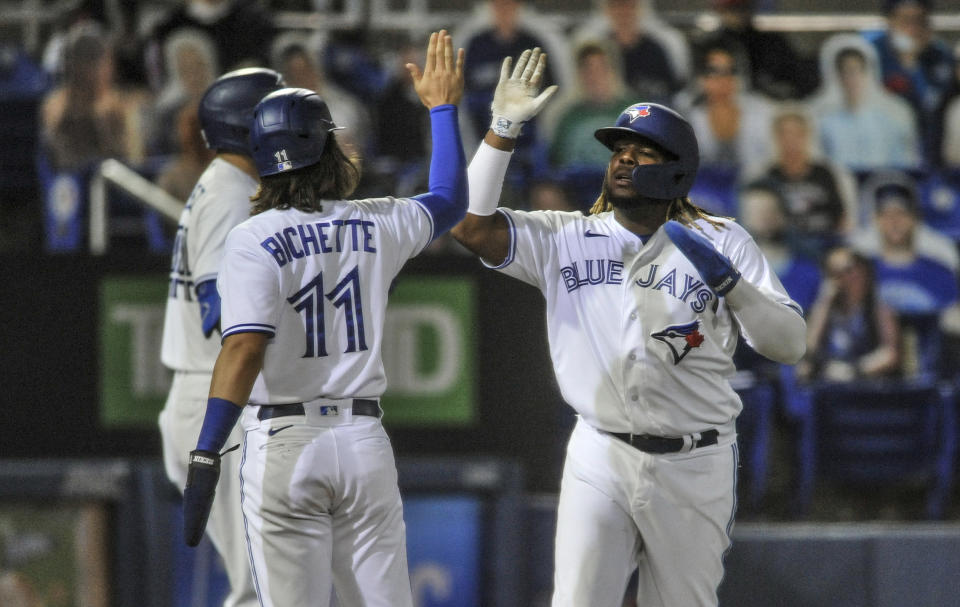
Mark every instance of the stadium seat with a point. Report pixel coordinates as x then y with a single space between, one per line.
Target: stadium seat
940 202
22 87
754 430
66 209
65 196
715 190
877 433
923 344
583 183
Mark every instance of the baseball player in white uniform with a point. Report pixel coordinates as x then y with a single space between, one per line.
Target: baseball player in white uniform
646 297
191 338
304 286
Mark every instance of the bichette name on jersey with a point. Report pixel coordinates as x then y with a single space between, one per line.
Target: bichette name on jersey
317 283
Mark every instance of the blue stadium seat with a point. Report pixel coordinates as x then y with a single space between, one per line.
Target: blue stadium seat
875 434
715 190
23 85
582 183
754 431
66 208
926 339
65 197
940 202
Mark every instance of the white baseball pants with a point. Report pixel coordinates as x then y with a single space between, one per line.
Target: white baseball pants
323 510
620 508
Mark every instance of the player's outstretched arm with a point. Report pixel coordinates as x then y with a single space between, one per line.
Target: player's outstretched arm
774 330
516 100
440 87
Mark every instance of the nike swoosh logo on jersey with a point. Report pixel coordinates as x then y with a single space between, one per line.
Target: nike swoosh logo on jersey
592 234
273 431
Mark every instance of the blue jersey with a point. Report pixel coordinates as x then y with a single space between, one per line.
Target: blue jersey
922 287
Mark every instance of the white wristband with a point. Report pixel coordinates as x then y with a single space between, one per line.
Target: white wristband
504 127
485 178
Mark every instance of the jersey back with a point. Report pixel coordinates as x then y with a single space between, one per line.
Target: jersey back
317 284
219 201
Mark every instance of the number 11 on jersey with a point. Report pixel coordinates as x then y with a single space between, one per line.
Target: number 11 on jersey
309 301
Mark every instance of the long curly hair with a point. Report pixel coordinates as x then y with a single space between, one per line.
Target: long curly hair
680 209
333 177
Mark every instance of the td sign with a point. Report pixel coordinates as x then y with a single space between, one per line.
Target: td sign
428 351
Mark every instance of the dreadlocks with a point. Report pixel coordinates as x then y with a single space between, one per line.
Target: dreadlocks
680 209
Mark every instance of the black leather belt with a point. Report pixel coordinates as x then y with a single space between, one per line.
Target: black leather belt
361 406
662 444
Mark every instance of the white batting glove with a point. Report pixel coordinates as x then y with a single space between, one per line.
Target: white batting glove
515 100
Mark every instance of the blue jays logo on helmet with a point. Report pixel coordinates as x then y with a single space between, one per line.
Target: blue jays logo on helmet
680 339
673 134
637 111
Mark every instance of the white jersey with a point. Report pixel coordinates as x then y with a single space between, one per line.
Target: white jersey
219 201
660 350
317 284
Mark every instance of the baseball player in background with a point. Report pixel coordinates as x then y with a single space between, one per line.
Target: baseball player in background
646 297
191 338
304 286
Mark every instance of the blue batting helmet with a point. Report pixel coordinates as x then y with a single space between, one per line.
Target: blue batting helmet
670 131
290 130
227 107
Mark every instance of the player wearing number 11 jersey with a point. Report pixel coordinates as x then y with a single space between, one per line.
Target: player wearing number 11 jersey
304 287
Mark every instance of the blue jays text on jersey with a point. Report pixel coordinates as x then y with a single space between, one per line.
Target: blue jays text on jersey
608 271
180 267
320 237
595 272
180 275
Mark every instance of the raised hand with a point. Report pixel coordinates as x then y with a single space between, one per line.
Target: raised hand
441 81
516 99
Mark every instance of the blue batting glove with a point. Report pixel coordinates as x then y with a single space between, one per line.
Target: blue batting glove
714 267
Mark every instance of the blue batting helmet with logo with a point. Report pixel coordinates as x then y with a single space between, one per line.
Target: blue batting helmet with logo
227 107
671 132
290 130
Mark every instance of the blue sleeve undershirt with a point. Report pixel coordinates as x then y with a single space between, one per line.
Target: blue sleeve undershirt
209 300
447 199
218 421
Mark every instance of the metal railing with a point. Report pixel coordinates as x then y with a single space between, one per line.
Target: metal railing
114 173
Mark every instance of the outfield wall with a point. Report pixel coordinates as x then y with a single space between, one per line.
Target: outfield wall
107 533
